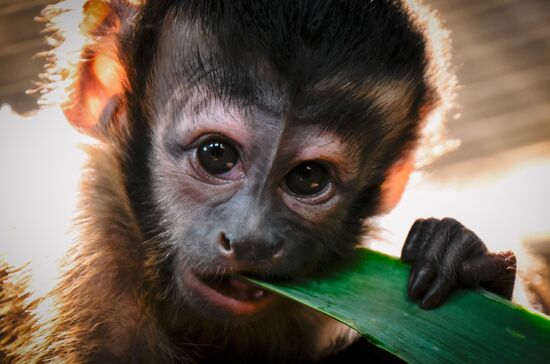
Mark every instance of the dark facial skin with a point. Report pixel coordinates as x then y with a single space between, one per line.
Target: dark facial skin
248 218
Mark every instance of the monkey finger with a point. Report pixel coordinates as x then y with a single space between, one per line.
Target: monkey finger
421 278
408 252
438 293
418 237
494 272
448 242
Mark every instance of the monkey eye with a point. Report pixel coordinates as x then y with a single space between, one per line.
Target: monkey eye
307 179
217 156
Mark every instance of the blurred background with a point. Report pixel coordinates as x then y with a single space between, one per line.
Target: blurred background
496 182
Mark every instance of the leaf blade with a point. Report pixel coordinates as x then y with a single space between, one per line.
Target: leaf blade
370 296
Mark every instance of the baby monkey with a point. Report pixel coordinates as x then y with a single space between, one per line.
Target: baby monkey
243 137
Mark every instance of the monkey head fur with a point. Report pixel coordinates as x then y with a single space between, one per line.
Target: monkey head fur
318 107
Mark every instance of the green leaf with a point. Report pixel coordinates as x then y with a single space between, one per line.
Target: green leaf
369 295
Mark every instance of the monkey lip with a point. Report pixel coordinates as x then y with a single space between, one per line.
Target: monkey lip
230 293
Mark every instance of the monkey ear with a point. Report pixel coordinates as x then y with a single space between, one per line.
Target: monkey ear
98 77
396 180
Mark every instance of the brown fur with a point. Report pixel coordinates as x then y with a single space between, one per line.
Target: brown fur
17 321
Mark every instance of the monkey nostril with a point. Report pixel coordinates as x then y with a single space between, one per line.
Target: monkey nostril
224 242
248 249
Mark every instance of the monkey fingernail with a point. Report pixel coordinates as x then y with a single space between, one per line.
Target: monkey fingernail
437 294
420 281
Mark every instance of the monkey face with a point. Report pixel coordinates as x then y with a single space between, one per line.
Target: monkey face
247 159
242 191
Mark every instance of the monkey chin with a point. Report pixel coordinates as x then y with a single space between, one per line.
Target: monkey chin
225 298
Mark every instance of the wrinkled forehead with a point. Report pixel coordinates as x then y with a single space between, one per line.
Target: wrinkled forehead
194 65
191 63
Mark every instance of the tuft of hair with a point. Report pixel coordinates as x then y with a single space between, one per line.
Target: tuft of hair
66 40
17 321
440 73
73 30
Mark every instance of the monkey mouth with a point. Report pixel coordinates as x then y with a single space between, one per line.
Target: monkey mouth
229 293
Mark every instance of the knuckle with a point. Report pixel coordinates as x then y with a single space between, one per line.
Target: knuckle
417 224
455 229
450 224
450 221
470 244
432 221
469 238
428 226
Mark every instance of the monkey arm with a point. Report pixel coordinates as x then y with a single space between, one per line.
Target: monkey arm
445 255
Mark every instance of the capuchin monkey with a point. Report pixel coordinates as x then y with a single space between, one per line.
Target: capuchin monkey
242 138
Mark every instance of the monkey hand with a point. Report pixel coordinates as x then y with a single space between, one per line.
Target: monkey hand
446 255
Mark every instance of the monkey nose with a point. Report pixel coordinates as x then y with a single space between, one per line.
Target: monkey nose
247 249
